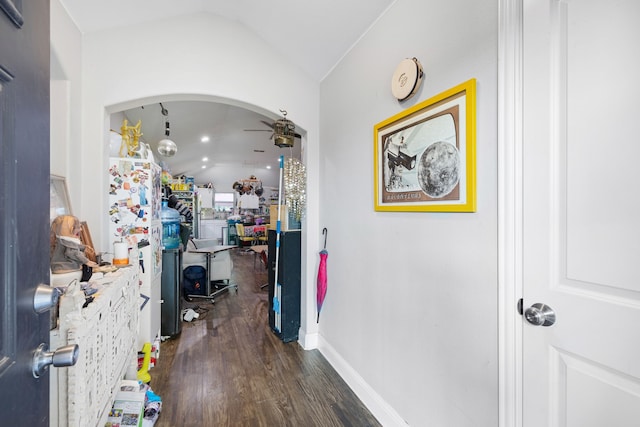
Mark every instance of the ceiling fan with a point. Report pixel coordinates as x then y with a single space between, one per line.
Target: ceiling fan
283 131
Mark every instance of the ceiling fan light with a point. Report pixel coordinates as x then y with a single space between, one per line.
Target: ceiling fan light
284 131
167 148
283 140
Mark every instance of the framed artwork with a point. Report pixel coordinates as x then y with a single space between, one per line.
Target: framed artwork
59 203
425 156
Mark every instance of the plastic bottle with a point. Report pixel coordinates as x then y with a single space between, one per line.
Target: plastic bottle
170 227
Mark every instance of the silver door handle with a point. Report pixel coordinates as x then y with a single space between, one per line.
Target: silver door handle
45 298
63 356
540 315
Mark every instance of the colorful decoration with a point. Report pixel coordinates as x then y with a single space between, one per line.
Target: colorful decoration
295 187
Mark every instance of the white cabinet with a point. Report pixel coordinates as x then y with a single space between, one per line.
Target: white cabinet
218 225
207 229
205 195
212 229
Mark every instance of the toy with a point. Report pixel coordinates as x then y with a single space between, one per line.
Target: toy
130 138
143 372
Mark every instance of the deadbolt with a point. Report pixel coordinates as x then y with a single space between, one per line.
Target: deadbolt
45 298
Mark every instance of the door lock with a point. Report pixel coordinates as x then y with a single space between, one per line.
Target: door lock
45 298
63 356
540 315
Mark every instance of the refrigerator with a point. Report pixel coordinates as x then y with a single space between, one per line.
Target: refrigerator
202 211
135 201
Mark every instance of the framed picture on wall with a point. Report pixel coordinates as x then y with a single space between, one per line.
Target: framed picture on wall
424 157
59 203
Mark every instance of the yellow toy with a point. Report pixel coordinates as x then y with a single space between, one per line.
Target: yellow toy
130 138
143 373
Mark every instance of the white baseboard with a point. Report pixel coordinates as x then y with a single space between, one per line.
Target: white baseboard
380 409
307 341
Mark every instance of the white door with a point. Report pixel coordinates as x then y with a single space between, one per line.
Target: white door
581 212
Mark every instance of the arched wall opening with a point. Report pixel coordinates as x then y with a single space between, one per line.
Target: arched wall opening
308 340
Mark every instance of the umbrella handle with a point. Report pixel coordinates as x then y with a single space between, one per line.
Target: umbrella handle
325 232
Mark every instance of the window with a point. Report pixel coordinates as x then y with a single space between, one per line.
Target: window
223 202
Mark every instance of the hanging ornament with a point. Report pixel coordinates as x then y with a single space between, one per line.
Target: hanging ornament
295 183
166 147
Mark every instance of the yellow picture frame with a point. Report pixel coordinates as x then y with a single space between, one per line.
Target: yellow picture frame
425 156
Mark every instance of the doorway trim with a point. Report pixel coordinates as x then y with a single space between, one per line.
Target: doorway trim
510 142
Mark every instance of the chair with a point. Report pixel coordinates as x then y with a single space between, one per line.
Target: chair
264 239
244 240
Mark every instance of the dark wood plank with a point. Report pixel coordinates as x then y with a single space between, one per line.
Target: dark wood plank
229 369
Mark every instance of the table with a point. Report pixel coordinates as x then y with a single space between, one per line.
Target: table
208 253
259 250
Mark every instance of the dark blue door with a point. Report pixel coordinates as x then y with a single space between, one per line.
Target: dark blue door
24 207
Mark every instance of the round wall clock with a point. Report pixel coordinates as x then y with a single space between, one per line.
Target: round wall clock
406 79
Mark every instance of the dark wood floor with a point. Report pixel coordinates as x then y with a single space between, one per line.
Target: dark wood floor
228 369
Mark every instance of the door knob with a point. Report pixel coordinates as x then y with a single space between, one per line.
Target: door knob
63 356
540 315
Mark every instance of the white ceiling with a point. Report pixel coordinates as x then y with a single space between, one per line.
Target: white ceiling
316 34
324 32
229 145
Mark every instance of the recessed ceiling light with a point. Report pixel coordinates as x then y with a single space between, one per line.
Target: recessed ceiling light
204 139
205 159
268 166
204 166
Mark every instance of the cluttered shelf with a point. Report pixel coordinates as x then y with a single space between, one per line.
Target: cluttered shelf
101 317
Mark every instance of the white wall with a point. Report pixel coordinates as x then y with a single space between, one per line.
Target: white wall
66 85
410 318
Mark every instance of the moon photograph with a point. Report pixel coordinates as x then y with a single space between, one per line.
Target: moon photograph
439 169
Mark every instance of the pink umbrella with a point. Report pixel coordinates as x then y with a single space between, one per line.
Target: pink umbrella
321 290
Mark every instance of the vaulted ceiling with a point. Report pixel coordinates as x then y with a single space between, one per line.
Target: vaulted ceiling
315 35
